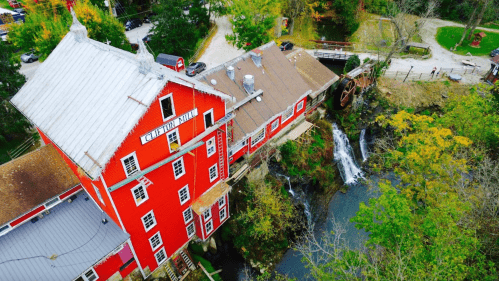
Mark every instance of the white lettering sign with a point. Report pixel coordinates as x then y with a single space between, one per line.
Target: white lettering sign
168 126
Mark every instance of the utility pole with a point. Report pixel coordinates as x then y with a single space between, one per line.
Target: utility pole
408 74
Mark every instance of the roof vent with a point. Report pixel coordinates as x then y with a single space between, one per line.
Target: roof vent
79 31
231 73
256 56
249 83
145 58
258 99
213 82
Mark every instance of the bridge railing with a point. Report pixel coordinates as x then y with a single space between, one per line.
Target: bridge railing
426 76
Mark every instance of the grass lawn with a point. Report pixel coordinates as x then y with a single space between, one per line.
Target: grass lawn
5 4
491 25
448 36
305 30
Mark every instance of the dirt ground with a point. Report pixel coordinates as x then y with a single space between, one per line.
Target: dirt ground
420 94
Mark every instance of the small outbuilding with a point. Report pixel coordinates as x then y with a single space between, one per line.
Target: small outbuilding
172 62
478 39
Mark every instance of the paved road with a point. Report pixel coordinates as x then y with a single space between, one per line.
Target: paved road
138 33
219 51
28 69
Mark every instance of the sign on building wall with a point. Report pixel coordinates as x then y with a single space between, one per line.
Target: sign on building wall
168 126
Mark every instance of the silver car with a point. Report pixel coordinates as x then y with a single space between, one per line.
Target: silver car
29 57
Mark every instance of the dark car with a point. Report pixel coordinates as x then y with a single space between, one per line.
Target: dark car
20 11
195 68
132 23
29 57
286 46
494 53
147 39
148 18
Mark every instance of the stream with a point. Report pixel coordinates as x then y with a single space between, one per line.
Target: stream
342 207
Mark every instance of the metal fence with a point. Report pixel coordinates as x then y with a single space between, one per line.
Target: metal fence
21 149
442 72
202 45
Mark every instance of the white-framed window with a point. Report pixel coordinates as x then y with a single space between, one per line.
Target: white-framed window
191 229
223 214
178 168
90 275
221 202
173 138
51 202
130 164
299 106
258 137
187 215
208 119
287 114
183 194
211 147
167 107
209 227
149 221
4 228
155 241
207 214
139 194
213 172
160 256
98 194
274 125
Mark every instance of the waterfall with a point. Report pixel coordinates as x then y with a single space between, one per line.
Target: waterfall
363 145
301 198
289 184
343 155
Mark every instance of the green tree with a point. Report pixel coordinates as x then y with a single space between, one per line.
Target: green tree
252 21
12 122
49 21
172 32
346 14
352 63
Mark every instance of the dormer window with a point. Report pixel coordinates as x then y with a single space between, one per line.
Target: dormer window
167 107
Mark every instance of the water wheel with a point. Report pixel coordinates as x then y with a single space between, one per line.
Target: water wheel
344 92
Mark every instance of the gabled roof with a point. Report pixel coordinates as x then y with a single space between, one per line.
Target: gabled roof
88 96
167 59
317 75
280 82
32 179
61 245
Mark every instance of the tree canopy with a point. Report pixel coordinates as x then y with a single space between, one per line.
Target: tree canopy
49 21
12 122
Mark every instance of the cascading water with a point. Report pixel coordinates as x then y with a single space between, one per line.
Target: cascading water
302 198
343 155
363 145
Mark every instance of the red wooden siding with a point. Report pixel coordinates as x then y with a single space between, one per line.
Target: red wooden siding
112 264
27 216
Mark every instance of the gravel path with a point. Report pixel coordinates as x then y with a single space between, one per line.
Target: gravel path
219 51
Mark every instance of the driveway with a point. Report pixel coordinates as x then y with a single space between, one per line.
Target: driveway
220 51
138 33
28 69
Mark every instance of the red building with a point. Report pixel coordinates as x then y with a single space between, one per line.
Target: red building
492 75
147 143
272 92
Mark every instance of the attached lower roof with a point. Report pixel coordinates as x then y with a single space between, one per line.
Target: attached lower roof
72 234
280 82
88 96
32 179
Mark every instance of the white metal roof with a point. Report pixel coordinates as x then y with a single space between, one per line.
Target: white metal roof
79 96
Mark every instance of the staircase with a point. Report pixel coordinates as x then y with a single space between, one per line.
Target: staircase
144 181
187 260
171 273
221 154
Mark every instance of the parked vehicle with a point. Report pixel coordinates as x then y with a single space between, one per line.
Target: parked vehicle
132 23
20 11
494 53
29 57
147 39
147 19
286 46
195 68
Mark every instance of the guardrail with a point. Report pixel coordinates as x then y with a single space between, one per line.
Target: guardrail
417 76
202 45
18 151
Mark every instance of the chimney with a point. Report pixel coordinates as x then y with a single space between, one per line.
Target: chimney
230 73
256 56
249 83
